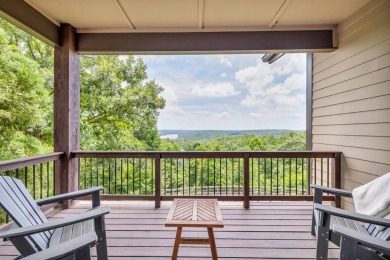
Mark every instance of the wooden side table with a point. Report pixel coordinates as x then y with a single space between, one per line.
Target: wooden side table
195 213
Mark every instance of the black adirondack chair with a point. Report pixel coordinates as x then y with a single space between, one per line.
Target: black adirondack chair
357 245
35 233
326 218
77 248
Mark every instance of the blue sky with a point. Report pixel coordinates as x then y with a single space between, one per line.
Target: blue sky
236 92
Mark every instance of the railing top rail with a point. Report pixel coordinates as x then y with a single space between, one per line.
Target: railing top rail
214 154
27 161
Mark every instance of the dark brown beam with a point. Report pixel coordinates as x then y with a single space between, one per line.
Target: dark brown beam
206 42
66 110
24 16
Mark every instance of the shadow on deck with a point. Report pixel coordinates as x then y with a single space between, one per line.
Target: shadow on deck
268 230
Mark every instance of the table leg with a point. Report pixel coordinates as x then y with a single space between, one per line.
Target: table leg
177 243
212 243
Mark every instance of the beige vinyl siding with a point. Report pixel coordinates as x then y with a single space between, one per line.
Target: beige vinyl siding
351 96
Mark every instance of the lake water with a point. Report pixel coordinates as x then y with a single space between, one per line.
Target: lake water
171 136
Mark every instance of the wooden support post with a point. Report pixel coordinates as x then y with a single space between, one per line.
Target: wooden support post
66 110
336 177
157 184
246 180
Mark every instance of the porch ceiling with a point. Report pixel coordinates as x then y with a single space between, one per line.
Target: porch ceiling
195 15
185 26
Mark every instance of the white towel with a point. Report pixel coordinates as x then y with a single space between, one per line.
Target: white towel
373 198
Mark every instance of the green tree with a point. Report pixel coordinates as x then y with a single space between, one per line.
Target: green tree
256 144
22 111
119 107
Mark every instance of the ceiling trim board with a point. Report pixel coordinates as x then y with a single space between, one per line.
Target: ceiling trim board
205 42
282 8
123 13
200 13
204 29
24 16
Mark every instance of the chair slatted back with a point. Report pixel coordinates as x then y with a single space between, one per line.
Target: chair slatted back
24 211
383 234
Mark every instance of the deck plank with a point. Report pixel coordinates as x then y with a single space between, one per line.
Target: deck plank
268 230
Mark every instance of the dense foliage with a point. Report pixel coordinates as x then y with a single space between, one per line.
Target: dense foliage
119 105
291 141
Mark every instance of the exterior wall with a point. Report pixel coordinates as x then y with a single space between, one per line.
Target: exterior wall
351 97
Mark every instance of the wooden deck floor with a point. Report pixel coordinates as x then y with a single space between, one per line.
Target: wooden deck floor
268 230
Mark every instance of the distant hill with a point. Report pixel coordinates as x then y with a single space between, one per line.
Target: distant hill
206 134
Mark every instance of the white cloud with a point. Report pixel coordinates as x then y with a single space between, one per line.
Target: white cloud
220 89
225 61
260 95
280 84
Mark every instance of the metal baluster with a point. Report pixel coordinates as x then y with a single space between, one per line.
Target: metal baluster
91 172
79 172
208 176
171 177
121 189
152 172
284 184
265 176
271 186
328 171
252 174
34 181
25 177
239 176
303 169
196 180
104 188
97 172
296 176
165 177
220 176
226 174
177 176
290 176
277 176
201 175
109 176
133 176
232 176
47 180
214 177
146 176
189 176
140 176
115 176
85 173
258 176
41 180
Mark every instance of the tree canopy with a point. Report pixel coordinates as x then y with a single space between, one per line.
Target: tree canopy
119 104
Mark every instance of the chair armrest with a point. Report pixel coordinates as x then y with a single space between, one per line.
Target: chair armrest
351 215
339 192
363 238
64 249
68 196
23 231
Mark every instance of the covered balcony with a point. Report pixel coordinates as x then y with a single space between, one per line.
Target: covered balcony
264 196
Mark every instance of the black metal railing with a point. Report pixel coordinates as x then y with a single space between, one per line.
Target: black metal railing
36 173
225 175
